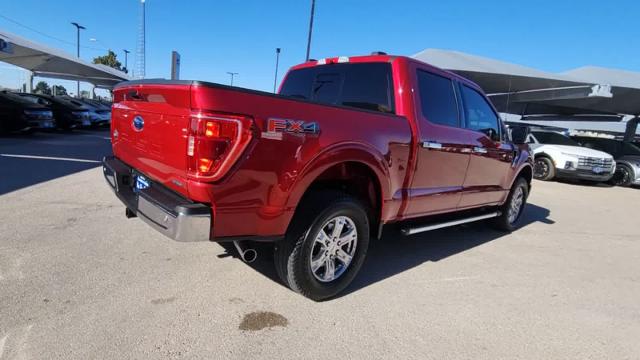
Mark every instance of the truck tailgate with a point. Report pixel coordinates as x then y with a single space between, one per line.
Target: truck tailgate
149 131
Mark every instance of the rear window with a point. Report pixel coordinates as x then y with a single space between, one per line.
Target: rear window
363 86
438 99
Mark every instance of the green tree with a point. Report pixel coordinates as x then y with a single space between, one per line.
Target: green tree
42 88
111 60
59 90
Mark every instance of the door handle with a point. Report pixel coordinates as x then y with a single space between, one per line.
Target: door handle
479 150
432 145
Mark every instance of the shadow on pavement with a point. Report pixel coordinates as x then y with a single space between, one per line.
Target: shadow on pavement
585 183
396 253
26 160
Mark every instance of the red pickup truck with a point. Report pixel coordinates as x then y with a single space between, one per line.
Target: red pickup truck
347 146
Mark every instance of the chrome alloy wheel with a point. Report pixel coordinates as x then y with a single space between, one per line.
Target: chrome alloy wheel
333 249
516 205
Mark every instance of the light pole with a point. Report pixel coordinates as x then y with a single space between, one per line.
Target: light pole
78 28
126 56
313 6
232 75
275 80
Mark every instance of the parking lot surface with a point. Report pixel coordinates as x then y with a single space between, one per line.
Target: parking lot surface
80 281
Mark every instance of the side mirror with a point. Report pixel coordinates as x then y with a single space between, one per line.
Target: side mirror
519 134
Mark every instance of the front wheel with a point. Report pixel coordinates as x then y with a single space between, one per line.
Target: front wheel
622 176
325 247
511 211
544 169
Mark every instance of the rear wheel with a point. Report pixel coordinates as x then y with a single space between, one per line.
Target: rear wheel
511 211
325 246
544 169
623 176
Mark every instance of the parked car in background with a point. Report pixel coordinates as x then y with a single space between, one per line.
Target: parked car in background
626 154
99 114
19 114
66 114
556 156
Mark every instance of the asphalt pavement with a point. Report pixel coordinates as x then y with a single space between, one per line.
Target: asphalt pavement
80 281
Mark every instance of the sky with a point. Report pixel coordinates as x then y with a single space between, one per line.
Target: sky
216 36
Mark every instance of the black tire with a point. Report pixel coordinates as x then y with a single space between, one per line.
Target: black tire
505 221
293 255
623 176
544 169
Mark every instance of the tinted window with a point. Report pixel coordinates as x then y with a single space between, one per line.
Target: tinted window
437 99
609 146
326 88
368 86
365 86
551 138
630 149
298 83
478 112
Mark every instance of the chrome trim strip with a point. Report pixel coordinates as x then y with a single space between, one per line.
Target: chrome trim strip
411 231
432 145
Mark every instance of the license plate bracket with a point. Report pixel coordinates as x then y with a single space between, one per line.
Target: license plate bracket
141 183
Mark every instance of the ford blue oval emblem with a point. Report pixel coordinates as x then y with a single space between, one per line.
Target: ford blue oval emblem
138 123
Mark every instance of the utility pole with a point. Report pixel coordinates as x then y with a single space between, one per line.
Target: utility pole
78 28
232 75
275 80
141 52
126 56
313 6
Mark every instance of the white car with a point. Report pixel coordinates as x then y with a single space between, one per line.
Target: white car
558 156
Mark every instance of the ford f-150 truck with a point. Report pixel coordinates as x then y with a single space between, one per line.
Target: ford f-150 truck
347 146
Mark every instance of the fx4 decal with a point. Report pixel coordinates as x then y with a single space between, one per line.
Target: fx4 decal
276 127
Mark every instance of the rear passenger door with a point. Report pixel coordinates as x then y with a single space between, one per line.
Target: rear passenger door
491 155
443 148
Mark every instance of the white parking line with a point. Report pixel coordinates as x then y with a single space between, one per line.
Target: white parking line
49 158
95 136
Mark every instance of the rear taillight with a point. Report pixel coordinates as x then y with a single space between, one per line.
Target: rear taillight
215 143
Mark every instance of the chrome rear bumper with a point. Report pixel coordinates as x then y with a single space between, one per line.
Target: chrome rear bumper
171 214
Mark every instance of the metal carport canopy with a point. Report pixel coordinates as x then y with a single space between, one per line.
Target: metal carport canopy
45 61
522 90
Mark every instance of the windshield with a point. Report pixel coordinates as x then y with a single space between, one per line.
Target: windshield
365 85
35 99
553 138
15 98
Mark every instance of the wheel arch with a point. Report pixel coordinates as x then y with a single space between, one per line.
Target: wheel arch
543 154
525 172
355 169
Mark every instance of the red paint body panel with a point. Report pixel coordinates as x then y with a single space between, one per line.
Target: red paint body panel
259 194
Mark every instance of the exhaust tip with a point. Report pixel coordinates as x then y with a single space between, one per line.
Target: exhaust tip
249 255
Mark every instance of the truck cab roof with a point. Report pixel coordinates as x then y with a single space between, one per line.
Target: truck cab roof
380 58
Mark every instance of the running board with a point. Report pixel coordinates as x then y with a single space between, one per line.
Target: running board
411 231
